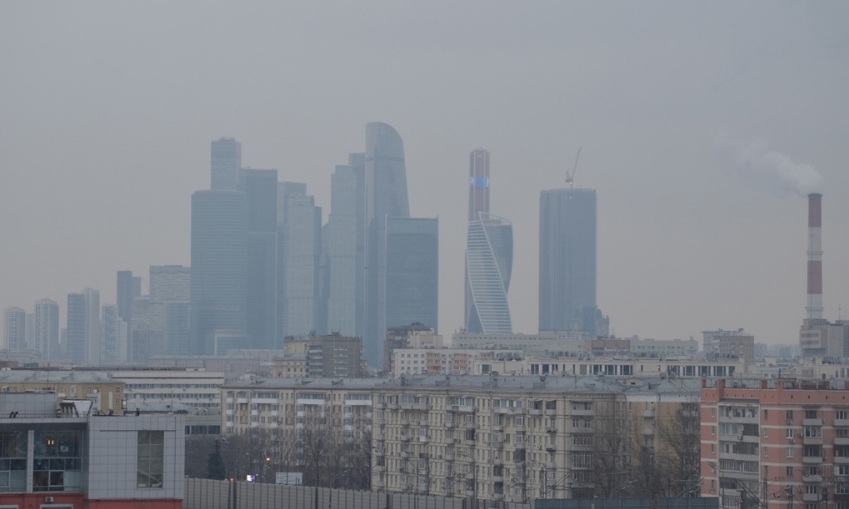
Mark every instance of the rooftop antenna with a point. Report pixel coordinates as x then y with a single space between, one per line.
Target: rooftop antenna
570 178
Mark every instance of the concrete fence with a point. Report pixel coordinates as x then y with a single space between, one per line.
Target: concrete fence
208 494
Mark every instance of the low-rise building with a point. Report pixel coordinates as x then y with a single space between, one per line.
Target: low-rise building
63 456
105 393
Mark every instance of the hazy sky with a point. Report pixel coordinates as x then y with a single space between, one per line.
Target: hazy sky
107 110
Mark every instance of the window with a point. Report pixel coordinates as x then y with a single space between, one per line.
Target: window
151 452
57 461
840 414
789 415
713 430
789 472
713 412
789 433
789 452
13 461
810 414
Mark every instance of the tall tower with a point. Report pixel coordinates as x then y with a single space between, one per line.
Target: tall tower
814 307
219 266
260 187
412 272
567 260
15 320
225 162
74 343
170 294
299 248
386 196
46 334
489 256
345 248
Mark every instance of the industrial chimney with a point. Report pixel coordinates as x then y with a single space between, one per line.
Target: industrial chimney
814 306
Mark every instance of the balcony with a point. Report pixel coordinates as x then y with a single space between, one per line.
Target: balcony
468 442
405 438
550 411
520 445
470 475
582 412
812 460
392 406
812 479
811 497
449 457
812 440
421 406
378 468
551 430
519 428
497 427
424 422
463 409
841 441
841 423
505 410
550 465
648 414
841 460
380 437
378 483
470 493
497 478
449 425
647 431
535 411
424 439
380 452
405 454
497 461
812 422
550 448
405 422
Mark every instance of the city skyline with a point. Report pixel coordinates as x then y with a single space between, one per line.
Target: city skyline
100 162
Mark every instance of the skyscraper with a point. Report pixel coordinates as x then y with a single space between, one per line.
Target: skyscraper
15 320
386 196
125 295
74 341
412 272
567 260
170 294
83 341
260 187
114 336
489 263
225 163
46 337
299 248
345 248
489 256
219 266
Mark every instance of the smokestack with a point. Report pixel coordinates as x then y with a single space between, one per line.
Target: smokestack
814 306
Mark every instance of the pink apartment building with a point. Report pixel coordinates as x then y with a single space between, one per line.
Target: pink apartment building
775 444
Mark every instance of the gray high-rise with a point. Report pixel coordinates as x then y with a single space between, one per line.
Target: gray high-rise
386 196
412 272
15 319
299 249
225 163
346 248
260 187
567 260
83 344
170 294
219 266
46 336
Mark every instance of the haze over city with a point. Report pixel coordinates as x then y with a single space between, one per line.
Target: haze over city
700 127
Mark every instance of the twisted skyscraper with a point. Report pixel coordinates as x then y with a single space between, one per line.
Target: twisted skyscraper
489 256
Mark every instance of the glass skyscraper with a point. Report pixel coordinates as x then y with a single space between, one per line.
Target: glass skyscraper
225 163
46 334
260 187
219 266
567 260
489 256
489 263
345 248
299 249
412 272
386 197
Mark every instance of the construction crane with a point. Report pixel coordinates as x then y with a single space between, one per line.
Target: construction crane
570 178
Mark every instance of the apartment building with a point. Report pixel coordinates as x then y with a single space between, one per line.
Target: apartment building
105 393
514 438
774 444
445 361
636 367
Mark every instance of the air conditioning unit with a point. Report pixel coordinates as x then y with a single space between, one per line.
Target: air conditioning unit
789 422
799 434
48 500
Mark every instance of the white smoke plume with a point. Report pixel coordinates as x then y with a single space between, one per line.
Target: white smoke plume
760 167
